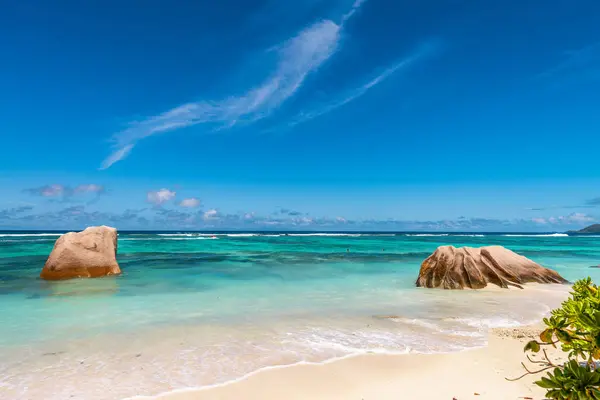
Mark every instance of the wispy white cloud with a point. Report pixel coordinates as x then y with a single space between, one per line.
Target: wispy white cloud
54 190
571 219
211 214
160 197
355 6
119 154
89 188
541 221
192 202
298 57
423 51
63 192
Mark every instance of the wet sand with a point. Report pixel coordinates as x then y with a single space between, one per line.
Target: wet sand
472 374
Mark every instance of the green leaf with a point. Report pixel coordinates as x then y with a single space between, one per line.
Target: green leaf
563 336
546 335
532 346
547 383
586 320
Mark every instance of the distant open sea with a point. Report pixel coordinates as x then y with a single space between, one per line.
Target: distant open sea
198 309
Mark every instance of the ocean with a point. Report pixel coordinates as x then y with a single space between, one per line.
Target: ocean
200 309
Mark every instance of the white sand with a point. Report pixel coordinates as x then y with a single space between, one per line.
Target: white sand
474 374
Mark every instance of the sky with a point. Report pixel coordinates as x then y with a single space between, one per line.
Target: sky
437 115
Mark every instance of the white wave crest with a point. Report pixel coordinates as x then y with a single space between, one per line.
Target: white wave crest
325 234
427 234
540 235
29 234
209 234
469 235
171 238
487 323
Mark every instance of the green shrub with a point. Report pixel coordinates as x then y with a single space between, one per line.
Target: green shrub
575 326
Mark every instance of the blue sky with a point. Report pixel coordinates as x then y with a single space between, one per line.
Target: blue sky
340 114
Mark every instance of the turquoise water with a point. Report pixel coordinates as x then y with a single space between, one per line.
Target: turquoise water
197 309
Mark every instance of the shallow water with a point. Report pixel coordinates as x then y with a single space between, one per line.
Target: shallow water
190 310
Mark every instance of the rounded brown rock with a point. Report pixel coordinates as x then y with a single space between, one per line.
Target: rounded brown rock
90 253
467 267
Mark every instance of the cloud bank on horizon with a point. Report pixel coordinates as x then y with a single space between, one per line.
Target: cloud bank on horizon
168 212
297 58
161 218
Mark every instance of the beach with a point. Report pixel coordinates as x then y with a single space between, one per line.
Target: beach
471 374
298 200
330 315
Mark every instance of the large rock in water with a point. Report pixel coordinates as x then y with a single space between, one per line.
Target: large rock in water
466 267
87 254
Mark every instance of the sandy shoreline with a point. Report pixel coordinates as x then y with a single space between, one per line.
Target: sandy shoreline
472 374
